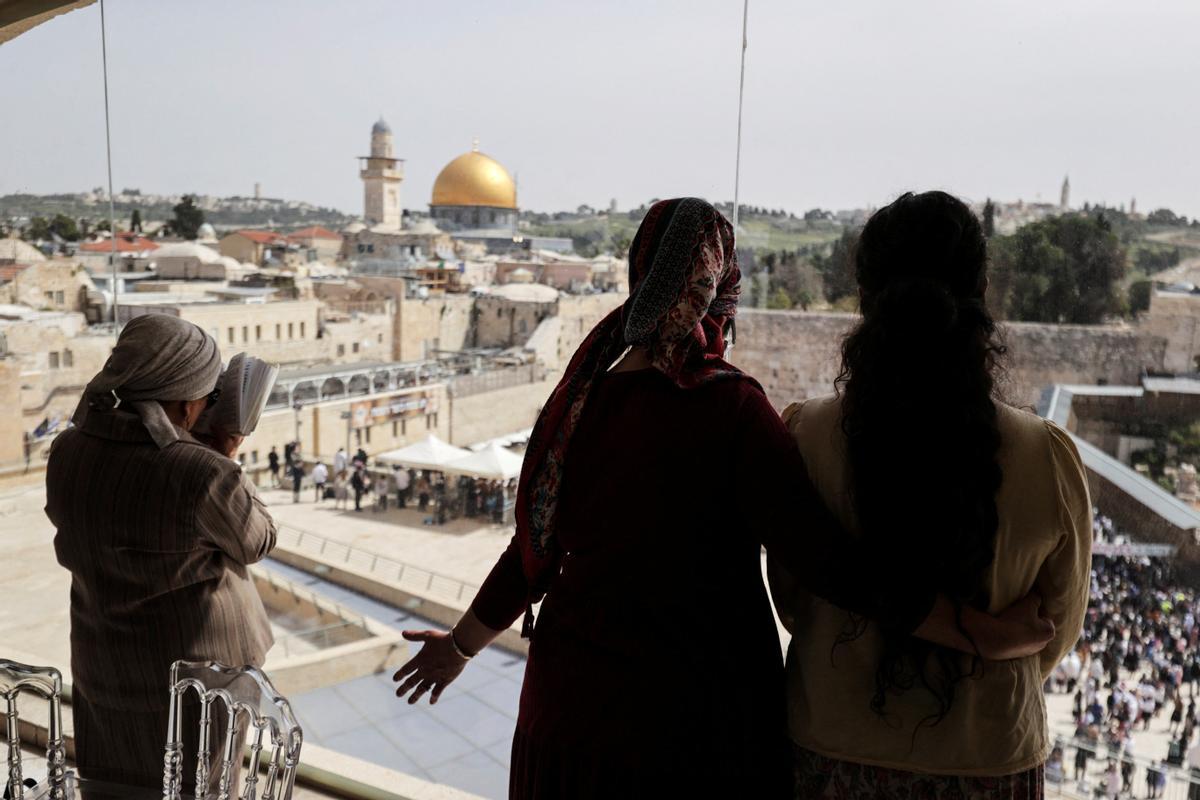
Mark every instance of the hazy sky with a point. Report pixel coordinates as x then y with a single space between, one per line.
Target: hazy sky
847 103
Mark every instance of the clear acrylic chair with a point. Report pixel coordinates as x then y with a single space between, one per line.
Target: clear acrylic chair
46 683
248 698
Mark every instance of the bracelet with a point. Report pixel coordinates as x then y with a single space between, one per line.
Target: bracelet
463 654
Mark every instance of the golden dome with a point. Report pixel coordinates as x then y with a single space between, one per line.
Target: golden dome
474 179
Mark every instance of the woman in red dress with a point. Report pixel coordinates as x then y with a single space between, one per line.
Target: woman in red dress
655 474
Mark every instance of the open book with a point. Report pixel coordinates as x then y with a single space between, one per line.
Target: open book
245 386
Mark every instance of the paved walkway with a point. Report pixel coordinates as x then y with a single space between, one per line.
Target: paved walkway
462 549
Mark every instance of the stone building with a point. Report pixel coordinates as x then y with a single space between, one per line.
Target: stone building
472 192
47 285
192 261
16 251
388 250
133 253
54 354
254 247
321 244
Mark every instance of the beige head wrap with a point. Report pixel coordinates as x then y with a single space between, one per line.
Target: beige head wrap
157 357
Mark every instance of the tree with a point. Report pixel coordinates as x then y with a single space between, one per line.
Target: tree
779 300
1061 269
837 268
989 218
39 228
64 228
620 241
1139 296
188 218
1165 216
135 221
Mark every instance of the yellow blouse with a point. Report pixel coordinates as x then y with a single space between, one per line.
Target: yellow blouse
997 724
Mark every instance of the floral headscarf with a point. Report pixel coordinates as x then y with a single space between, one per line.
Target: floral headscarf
684 287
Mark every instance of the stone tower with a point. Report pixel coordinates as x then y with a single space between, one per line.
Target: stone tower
381 174
1064 201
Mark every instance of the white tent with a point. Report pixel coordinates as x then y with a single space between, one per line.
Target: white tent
493 462
432 453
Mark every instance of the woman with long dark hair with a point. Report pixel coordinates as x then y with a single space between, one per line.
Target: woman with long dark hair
951 489
654 475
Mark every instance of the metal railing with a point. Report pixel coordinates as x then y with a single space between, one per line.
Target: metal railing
322 638
408 577
1180 783
321 603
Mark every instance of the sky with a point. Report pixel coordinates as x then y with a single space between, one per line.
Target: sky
847 104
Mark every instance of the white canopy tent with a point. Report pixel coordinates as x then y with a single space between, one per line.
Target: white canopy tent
493 462
432 453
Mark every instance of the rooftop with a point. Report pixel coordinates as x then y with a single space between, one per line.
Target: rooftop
314 232
126 243
261 237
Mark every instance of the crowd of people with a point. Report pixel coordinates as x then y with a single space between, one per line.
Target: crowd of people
351 477
1138 665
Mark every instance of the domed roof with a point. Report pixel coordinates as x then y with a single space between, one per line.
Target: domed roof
206 233
354 227
474 179
381 127
12 249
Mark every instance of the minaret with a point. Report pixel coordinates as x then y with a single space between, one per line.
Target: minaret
1133 207
1064 201
381 173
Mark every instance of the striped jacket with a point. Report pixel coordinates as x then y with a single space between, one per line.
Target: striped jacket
157 542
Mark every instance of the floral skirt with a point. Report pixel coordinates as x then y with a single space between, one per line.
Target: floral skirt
818 776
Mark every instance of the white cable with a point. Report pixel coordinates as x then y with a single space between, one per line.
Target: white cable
112 217
737 170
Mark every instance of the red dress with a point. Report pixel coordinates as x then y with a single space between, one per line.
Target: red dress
655 667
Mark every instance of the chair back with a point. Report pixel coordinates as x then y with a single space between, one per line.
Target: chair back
46 683
250 699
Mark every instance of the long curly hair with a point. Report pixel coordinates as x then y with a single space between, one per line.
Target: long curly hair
918 386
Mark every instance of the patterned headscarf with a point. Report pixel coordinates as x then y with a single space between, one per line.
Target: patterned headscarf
157 357
684 287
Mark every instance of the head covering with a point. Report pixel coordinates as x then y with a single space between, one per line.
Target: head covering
157 357
684 284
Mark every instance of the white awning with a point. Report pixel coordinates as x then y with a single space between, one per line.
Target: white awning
493 462
432 453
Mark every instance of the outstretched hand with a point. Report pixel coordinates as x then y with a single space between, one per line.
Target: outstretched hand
432 669
1023 630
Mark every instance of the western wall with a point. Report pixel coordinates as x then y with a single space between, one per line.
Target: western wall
796 354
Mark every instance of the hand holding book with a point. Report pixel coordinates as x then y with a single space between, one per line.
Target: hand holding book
243 389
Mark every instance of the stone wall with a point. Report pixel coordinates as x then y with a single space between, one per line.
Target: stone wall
360 337
797 355
501 322
580 313
420 326
487 415
1175 316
